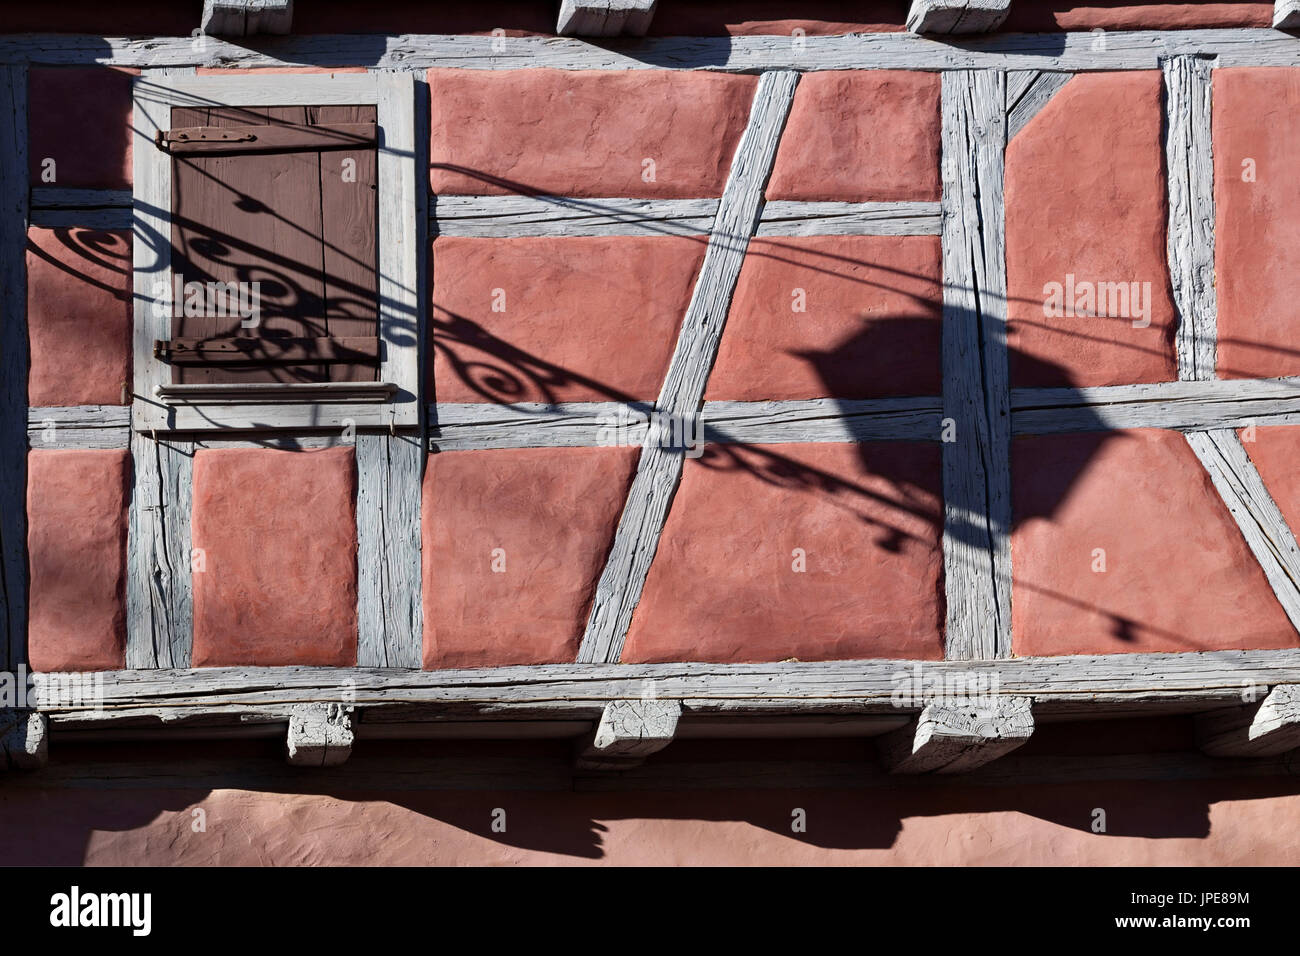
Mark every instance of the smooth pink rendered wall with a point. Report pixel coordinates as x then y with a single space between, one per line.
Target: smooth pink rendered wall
78 316
514 543
557 319
1085 197
1046 15
80 117
1274 451
275 578
76 555
1122 544
1257 221
811 551
833 316
585 133
860 135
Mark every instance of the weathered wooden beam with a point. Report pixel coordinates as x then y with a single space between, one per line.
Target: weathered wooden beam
320 735
513 216
246 17
629 731
159 585
1061 688
956 738
24 739
87 208
957 16
13 366
1263 729
1185 405
1286 14
1261 522
1059 52
1033 90
660 468
976 400
389 610
605 18
1190 162
79 426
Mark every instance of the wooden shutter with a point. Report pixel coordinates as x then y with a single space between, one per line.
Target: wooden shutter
288 197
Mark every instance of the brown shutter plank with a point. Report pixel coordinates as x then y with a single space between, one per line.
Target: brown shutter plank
196 140
349 215
242 349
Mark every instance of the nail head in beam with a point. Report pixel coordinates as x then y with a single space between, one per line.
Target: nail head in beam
605 18
955 738
24 739
1263 729
320 735
628 732
1286 14
957 16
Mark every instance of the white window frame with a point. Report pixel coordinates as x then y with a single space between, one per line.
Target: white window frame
158 406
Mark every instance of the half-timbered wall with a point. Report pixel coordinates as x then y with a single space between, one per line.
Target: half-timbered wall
755 368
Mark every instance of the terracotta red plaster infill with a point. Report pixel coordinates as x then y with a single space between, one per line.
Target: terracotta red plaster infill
76 547
833 316
1121 544
860 135
1040 16
1256 129
597 133
276 545
557 319
80 117
1086 205
1274 451
862 521
514 543
78 316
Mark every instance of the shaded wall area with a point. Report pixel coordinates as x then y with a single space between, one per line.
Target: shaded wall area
698 802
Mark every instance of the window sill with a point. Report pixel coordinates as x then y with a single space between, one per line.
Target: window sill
262 393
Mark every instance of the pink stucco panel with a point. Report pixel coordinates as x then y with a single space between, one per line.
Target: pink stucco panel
275 571
833 316
862 521
597 133
1086 203
1178 576
860 135
557 319
80 117
1274 450
1047 15
1257 221
78 315
76 547
514 543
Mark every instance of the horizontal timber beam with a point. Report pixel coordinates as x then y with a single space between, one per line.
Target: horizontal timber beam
1059 688
1061 52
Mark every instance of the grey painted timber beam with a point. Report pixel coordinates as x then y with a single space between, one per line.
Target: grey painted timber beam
159 583
956 738
957 16
24 739
320 735
629 731
1033 91
239 18
605 18
1286 14
79 426
513 216
13 366
1058 52
389 610
1189 159
660 468
1262 524
976 398
1263 729
1061 688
